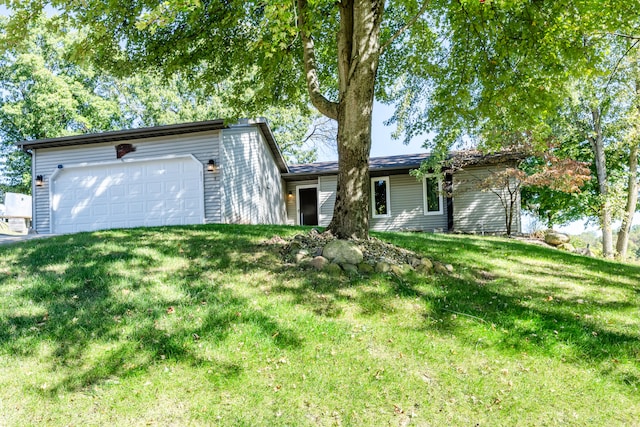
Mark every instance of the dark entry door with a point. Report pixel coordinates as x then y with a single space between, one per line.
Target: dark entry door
308 199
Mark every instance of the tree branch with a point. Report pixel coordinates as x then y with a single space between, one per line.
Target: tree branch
627 36
615 68
405 27
326 107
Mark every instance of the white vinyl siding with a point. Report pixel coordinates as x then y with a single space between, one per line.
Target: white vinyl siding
432 195
252 191
202 145
380 197
476 210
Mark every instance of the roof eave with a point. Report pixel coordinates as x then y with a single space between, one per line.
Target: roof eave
122 135
157 131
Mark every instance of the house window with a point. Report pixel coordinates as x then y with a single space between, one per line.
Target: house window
380 199
432 195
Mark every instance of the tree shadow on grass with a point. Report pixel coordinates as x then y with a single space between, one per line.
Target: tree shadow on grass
518 317
104 301
113 303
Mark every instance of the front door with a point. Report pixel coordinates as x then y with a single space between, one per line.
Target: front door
308 206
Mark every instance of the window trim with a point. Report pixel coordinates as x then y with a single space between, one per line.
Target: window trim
440 196
373 197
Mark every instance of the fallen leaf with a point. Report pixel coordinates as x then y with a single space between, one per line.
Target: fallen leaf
171 310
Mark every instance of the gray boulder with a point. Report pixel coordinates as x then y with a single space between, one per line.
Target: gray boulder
383 267
442 268
343 252
319 262
555 238
350 268
365 268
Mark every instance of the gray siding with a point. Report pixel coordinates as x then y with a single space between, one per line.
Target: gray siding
292 212
327 198
252 190
202 145
475 210
407 208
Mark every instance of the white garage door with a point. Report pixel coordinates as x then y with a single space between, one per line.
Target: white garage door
127 194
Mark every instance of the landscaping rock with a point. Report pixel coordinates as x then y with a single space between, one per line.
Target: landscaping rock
301 254
333 269
383 267
323 251
343 252
555 238
400 270
567 247
365 268
414 262
425 264
425 268
441 268
350 268
319 262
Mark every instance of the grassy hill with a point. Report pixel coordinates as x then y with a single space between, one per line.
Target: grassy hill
204 326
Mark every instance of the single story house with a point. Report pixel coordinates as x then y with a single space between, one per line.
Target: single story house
209 172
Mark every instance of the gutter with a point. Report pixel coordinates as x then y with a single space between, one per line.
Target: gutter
121 135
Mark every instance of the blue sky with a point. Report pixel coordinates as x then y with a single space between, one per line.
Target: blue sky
381 142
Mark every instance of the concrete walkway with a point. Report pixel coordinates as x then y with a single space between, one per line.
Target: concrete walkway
5 239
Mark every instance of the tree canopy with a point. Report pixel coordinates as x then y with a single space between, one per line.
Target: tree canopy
45 94
490 70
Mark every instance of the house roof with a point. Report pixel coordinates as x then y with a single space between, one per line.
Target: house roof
403 163
155 131
376 164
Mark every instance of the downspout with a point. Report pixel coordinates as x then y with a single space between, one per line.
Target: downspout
448 192
33 190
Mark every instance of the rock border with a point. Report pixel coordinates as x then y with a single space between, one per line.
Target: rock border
325 252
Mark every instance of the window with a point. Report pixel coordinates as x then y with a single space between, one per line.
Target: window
432 195
380 197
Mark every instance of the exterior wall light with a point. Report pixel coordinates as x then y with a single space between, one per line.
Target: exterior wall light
290 195
211 165
39 181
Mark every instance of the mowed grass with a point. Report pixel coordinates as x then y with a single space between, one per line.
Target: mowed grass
204 325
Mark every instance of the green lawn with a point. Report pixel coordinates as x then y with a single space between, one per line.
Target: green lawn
204 326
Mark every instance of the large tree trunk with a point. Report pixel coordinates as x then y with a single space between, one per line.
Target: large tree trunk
632 201
352 207
359 52
632 189
597 145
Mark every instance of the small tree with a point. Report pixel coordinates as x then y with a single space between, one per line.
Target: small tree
564 175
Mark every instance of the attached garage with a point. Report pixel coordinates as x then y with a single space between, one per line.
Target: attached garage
188 173
127 193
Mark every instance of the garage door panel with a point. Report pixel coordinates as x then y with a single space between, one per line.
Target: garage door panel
118 209
149 193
